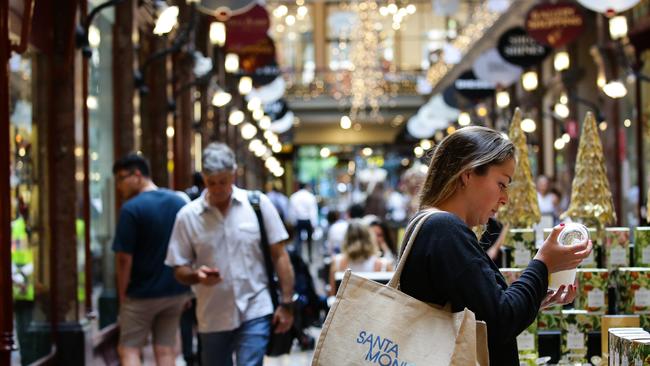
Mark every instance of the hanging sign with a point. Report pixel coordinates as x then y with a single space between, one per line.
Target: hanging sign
518 48
608 6
255 55
555 24
224 9
247 28
473 88
492 67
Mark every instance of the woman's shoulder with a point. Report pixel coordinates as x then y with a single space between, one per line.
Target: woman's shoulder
443 221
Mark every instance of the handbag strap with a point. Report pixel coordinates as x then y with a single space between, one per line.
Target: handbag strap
254 199
407 242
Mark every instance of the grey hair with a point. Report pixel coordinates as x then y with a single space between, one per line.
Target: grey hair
218 157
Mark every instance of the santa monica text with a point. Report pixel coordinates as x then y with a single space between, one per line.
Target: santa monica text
381 351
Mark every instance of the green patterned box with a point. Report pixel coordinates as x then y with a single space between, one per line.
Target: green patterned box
629 347
575 325
522 243
634 290
642 246
593 286
527 345
617 247
590 261
511 274
550 318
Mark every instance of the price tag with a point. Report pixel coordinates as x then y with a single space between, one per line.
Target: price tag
522 257
618 256
526 341
575 340
642 297
596 298
645 255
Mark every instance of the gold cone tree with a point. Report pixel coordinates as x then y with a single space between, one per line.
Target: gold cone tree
591 199
522 209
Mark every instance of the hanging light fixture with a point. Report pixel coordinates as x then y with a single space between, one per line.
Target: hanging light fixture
254 103
265 122
218 33
167 18
561 110
528 125
248 131
615 89
464 119
618 27
245 85
221 98
529 81
503 99
231 63
561 61
236 117
346 122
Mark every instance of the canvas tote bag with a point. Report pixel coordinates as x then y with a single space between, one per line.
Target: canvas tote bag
374 324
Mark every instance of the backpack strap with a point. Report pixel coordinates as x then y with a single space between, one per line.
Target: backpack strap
254 199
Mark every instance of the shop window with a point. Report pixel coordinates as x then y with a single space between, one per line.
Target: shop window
30 263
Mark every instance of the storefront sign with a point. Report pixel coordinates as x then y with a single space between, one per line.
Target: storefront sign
608 6
518 48
555 24
492 67
246 28
473 88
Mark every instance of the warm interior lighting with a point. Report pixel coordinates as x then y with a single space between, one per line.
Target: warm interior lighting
561 110
245 85
464 119
561 61
236 117
248 131
221 98
218 33
528 125
503 99
615 89
529 81
166 20
232 62
618 27
346 122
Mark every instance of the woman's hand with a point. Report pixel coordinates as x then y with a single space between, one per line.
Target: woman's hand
560 296
559 257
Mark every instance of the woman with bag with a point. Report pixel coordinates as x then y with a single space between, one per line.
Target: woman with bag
468 179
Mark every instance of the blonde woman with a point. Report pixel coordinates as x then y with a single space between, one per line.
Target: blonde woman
359 253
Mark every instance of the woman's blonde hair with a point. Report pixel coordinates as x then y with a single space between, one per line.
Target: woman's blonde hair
359 242
471 148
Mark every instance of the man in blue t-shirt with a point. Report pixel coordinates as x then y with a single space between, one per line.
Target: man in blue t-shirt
151 300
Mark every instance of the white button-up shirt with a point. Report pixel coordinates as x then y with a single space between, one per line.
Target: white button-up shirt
303 206
231 243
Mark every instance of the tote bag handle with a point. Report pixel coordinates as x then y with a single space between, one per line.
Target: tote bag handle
407 242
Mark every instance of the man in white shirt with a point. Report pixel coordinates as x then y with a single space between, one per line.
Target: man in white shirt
303 210
215 246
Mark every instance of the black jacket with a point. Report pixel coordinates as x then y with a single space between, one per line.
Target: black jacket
447 264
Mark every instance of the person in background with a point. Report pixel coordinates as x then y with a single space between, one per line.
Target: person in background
279 200
151 300
303 210
545 199
215 246
197 186
359 253
467 181
379 229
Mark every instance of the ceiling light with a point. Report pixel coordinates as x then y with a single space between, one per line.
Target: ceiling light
236 117
464 119
529 80
618 27
166 20
503 99
221 98
346 122
615 89
528 125
561 61
232 62
561 110
218 33
248 131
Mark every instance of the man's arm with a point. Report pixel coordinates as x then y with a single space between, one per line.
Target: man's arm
283 268
123 263
203 275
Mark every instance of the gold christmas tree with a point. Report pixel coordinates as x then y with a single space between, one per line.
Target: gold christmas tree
591 199
522 209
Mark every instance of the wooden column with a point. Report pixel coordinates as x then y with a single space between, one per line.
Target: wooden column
123 85
6 296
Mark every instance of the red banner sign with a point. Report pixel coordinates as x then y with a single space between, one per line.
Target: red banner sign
555 24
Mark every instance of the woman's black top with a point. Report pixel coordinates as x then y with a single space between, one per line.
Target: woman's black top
447 264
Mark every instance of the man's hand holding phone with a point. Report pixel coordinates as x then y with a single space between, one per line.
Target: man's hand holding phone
208 276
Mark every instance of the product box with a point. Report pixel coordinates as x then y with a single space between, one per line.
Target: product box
549 319
511 274
617 247
575 326
634 290
642 246
527 345
522 244
613 322
628 346
592 290
591 260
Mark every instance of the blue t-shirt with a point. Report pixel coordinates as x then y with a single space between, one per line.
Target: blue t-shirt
143 230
